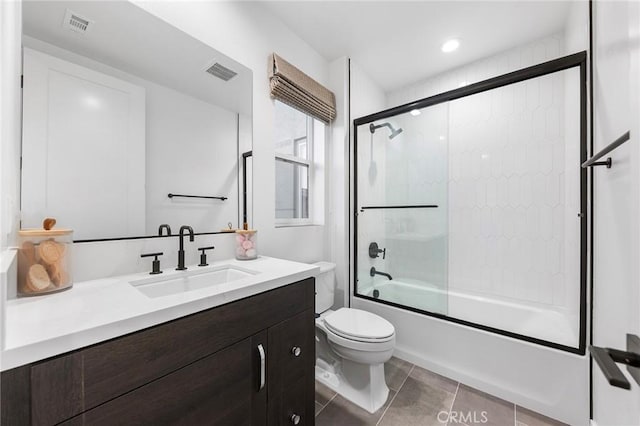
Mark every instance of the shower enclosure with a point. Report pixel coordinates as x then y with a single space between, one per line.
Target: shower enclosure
471 205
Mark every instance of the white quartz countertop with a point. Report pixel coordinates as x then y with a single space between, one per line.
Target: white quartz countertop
94 311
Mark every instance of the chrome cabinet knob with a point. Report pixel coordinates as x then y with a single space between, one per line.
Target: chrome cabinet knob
295 419
296 351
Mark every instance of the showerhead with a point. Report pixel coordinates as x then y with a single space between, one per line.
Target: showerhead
394 132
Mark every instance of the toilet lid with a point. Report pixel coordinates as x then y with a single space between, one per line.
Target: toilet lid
359 324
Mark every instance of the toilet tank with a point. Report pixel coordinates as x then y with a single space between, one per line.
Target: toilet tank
325 286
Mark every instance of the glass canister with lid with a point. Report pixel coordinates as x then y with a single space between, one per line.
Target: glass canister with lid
44 261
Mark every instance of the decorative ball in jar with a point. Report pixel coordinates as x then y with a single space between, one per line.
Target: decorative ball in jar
246 244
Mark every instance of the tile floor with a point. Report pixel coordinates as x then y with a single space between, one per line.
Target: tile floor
420 397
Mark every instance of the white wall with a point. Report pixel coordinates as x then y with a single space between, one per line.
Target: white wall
10 126
616 286
366 98
337 235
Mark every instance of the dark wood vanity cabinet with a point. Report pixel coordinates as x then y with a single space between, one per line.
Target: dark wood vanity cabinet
249 362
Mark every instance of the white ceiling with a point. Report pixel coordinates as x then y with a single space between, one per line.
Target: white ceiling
398 42
128 38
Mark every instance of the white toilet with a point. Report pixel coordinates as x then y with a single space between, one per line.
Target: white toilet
351 347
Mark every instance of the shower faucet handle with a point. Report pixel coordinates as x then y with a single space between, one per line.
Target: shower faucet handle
374 251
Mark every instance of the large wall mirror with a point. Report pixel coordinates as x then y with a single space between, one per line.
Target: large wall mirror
129 123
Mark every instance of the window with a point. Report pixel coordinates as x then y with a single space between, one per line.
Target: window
299 156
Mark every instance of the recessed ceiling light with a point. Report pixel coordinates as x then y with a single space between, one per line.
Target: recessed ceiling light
414 112
450 45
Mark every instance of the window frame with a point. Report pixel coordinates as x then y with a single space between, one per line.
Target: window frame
310 164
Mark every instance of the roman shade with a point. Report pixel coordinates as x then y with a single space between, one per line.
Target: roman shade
297 89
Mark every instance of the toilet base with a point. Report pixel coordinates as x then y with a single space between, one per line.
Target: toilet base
362 384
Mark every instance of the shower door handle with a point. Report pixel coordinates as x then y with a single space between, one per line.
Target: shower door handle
606 358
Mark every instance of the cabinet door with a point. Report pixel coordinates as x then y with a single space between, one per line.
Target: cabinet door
220 389
291 371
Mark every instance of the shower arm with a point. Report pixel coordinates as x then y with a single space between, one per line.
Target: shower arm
374 127
373 273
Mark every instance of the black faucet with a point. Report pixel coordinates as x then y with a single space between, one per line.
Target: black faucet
164 226
183 228
373 273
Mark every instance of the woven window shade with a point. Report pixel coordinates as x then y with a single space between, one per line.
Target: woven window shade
295 88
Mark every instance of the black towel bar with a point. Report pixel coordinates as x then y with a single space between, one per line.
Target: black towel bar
613 145
606 358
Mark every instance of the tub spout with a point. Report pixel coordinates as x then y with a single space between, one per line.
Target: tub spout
373 273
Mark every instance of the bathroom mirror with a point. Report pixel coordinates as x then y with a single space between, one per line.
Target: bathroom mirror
128 123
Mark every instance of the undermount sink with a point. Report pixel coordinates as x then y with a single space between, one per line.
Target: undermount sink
182 282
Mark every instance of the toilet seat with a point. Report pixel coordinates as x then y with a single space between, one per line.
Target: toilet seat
358 325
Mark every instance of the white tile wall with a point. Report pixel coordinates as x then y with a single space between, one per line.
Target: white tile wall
507 194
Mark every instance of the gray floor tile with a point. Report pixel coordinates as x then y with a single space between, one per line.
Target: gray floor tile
340 412
418 403
529 418
395 371
323 394
318 408
434 380
472 402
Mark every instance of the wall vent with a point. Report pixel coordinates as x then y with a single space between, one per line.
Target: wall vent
77 23
221 71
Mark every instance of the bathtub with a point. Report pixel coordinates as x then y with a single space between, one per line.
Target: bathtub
540 322
547 380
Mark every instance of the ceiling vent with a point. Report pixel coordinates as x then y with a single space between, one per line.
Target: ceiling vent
77 23
221 71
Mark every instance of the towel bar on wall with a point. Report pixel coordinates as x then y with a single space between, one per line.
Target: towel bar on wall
606 358
593 161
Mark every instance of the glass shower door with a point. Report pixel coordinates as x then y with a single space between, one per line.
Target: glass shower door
472 209
402 213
